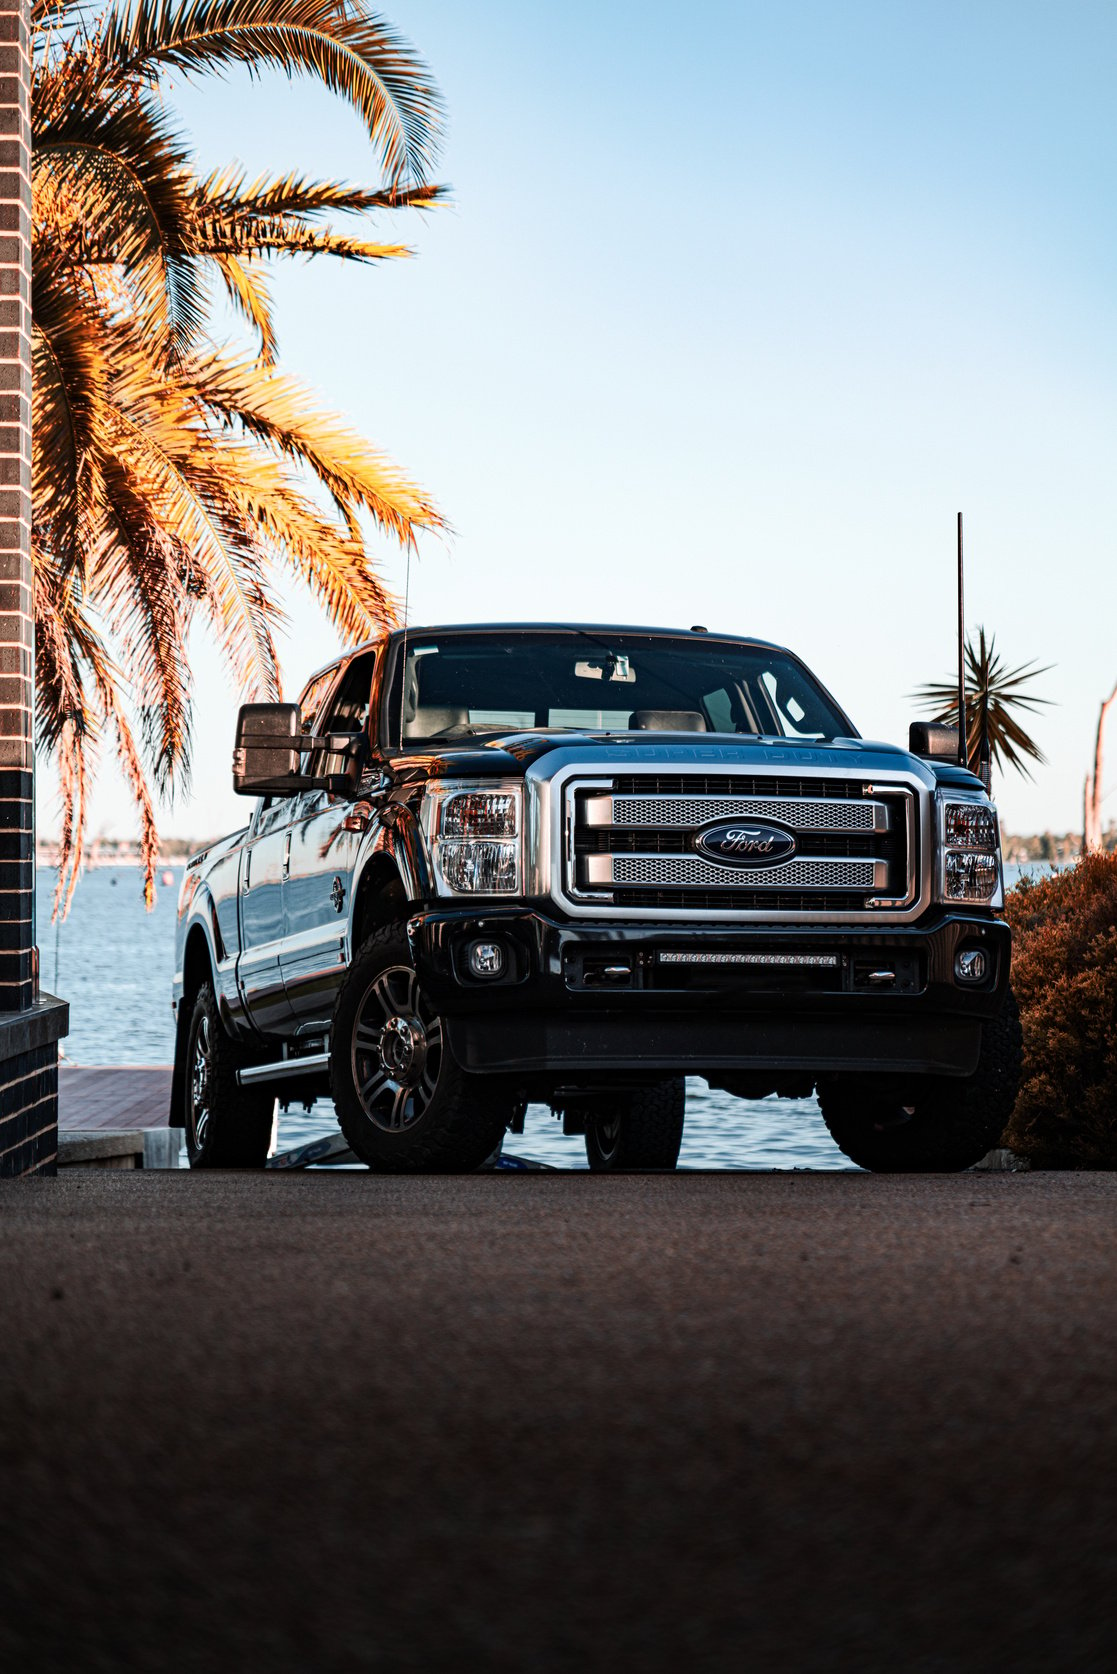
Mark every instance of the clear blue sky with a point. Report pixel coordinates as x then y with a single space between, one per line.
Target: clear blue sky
735 308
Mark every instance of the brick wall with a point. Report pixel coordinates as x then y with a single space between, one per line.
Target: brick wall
17 937
29 1111
30 1026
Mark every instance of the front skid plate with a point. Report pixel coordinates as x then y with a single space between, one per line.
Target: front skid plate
689 1044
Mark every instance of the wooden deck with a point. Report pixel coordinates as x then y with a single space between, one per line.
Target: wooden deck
106 1098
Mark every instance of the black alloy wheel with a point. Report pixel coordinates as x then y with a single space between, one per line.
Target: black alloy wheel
227 1126
396 1050
402 1101
202 1079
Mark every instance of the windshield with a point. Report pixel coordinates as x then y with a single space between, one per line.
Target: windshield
462 685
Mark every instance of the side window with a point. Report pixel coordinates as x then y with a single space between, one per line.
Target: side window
272 812
794 720
312 698
347 711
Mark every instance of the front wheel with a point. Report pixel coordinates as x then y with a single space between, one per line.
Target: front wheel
637 1130
402 1102
937 1124
227 1126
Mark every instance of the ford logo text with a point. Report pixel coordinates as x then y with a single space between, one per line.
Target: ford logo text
745 843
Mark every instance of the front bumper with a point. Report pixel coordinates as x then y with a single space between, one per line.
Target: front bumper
780 1000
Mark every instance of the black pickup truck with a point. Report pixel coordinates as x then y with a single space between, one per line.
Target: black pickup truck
573 864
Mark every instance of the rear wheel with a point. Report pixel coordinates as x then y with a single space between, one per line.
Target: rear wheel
227 1126
403 1104
935 1124
638 1130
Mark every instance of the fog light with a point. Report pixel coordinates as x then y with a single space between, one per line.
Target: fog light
970 965
485 959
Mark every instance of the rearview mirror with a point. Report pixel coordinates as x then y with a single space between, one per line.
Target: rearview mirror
933 740
267 752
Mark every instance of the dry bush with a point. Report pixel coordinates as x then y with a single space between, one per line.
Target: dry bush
1064 973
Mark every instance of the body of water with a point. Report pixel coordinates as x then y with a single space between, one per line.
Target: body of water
113 961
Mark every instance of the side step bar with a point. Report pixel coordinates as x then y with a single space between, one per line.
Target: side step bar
283 1069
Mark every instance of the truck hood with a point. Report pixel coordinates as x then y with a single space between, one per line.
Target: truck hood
513 754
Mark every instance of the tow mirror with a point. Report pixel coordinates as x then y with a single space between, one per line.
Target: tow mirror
267 753
933 740
267 756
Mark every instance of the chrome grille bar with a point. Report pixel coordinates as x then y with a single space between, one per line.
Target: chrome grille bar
673 813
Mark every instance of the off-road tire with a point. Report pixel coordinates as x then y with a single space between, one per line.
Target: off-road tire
938 1125
227 1126
464 1116
643 1129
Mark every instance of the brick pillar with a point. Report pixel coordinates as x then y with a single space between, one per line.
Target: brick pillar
29 1026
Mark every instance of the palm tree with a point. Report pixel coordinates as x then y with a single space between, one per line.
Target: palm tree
993 696
172 476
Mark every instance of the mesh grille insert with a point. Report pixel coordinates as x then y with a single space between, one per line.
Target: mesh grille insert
660 870
797 815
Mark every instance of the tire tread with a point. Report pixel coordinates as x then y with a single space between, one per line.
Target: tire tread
240 1122
472 1118
963 1119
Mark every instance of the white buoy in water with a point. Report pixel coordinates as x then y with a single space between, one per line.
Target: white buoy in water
167 879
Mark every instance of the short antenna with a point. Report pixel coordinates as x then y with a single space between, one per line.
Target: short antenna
963 752
403 645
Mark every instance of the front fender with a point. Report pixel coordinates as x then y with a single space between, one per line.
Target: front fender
399 839
200 923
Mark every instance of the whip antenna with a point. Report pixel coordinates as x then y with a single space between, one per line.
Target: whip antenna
963 752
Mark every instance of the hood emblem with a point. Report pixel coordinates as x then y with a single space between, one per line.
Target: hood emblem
745 843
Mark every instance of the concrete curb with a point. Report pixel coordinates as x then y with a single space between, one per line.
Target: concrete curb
126 1148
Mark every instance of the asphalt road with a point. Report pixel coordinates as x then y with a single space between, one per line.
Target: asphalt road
800 1422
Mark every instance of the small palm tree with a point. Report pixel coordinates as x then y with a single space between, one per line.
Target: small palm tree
993 696
172 476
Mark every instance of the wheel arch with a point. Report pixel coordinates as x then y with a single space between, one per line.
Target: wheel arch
380 895
197 968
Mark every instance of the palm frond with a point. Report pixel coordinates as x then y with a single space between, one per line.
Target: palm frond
112 185
170 480
155 439
248 290
332 560
279 236
356 54
69 409
993 693
280 412
229 192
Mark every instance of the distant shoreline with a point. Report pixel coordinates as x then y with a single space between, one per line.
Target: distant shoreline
1018 849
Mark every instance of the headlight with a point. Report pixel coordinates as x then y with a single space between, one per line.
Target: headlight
481 814
969 825
969 850
474 835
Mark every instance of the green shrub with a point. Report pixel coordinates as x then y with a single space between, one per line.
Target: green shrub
1064 973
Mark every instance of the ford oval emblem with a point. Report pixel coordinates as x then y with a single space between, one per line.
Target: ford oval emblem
746 843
